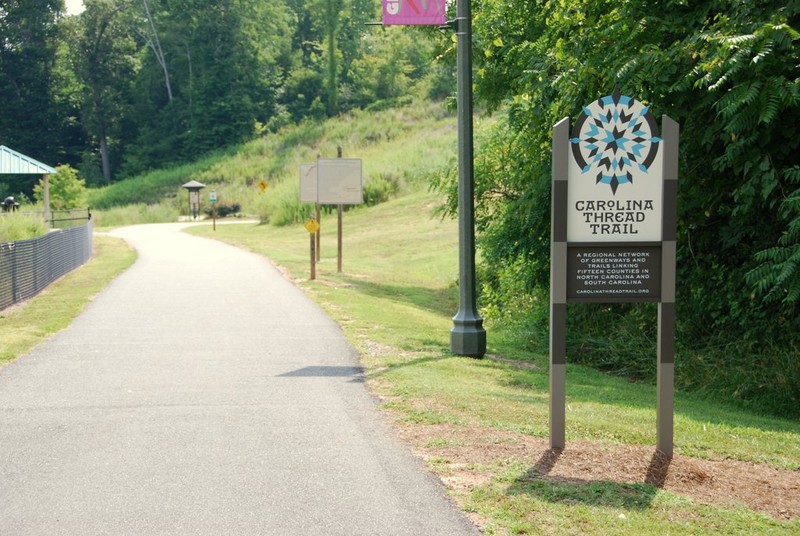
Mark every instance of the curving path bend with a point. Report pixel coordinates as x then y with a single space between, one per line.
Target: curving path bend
201 393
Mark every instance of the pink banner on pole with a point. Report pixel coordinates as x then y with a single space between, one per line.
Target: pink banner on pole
414 12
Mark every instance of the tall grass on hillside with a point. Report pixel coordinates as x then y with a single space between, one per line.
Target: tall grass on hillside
16 226
151 187
398 147
136 214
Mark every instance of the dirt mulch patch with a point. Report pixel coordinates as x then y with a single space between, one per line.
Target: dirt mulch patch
471 452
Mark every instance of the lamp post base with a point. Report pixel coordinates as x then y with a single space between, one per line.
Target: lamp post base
468 338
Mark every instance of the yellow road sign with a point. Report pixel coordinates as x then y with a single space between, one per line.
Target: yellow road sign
312 226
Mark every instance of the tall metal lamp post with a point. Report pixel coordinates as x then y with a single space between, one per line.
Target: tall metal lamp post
194 188
468 337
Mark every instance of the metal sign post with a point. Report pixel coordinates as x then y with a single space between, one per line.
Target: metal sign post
212 198
613 233
467 337
312 226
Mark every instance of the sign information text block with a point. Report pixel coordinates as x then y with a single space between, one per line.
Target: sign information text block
614 273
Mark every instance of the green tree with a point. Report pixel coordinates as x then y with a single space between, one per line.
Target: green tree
361 65
67 190
392 61
727 72
31 118
352 35
329 13
103 56
225 62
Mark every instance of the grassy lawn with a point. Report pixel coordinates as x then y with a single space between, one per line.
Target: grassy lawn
482 425
25 325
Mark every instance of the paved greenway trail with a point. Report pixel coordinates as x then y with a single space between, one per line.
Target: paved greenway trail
203 394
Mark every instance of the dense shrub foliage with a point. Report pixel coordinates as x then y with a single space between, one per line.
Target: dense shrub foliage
66 189
222 209
728 72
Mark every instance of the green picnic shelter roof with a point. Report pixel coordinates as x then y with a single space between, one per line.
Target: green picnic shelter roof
12 162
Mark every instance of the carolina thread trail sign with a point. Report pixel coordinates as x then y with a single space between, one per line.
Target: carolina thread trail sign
613 214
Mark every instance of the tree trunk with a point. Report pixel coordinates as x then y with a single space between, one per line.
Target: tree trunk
104 157
155 46
333 8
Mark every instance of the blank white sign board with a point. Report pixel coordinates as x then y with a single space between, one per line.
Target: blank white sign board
339 181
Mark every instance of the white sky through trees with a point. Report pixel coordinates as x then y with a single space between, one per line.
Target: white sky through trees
74 6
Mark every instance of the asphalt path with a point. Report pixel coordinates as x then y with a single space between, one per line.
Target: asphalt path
202 393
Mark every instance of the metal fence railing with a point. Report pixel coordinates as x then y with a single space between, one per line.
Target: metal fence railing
28 266
61 219
57 219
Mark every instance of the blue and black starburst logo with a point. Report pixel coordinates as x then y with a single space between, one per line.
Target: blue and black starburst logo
616 137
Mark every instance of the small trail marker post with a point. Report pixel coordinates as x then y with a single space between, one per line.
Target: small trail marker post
312 226
212 198
614 215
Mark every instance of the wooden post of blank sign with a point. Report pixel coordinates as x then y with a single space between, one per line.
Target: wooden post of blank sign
339 210
319 231
313 269
319 219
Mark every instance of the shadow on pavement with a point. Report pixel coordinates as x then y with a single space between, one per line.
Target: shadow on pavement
324 372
